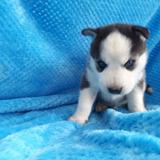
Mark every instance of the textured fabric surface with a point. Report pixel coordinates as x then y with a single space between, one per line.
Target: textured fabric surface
42 58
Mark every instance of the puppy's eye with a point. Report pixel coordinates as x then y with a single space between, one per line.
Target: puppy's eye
129 64
101 65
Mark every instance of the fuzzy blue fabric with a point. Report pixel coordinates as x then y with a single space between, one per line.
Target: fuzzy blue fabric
42 58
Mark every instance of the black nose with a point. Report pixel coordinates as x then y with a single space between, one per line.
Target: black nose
115 90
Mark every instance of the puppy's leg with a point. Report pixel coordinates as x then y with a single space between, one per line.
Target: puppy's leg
136 100
86 100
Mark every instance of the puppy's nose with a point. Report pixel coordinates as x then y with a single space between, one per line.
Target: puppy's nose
114 90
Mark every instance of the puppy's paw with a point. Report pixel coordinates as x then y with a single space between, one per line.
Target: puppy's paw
100 107
143 110
80 120
136 109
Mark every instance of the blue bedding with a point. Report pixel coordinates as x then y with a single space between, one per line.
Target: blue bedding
42 58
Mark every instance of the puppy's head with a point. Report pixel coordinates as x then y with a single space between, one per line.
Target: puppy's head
119 56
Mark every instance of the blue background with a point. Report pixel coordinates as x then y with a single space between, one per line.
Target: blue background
42 58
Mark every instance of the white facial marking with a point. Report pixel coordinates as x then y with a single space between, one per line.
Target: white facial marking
116 47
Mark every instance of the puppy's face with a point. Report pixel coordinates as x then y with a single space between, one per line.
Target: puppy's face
119 56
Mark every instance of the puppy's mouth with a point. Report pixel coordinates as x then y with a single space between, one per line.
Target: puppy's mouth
113 90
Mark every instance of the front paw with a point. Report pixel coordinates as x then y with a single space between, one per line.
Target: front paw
137 109
80 120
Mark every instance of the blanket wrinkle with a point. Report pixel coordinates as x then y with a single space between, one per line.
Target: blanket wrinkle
42 58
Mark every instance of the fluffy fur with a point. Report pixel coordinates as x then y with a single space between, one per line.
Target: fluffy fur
115 84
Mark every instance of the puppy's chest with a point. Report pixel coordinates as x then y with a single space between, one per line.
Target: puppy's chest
110 100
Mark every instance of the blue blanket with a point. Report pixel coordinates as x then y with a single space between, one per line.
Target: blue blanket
42 58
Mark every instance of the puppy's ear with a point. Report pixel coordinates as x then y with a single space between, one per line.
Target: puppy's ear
141 31
90 32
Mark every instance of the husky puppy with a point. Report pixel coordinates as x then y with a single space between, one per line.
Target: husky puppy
115 74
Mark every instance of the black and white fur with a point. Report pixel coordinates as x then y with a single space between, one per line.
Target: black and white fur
115 46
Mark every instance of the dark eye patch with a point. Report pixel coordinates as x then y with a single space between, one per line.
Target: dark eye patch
130 65
101 65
